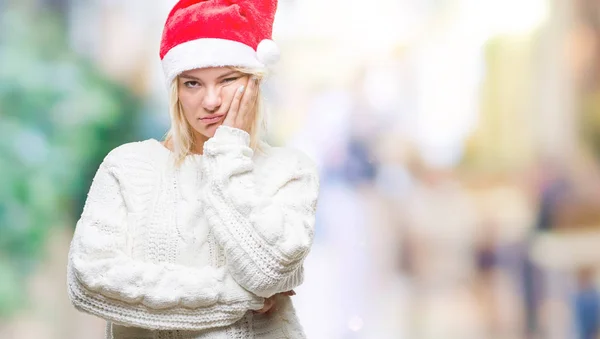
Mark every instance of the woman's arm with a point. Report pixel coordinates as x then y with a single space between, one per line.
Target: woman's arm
265 237
101 266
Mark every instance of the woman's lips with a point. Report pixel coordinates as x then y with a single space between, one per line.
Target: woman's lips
212 119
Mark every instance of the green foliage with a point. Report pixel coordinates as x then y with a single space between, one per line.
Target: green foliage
590 122
59 116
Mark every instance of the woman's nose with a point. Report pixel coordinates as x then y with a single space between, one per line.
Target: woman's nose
212 100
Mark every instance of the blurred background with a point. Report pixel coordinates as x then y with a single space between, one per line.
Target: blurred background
458 143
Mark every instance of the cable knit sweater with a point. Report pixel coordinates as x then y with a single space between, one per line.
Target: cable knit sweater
188 252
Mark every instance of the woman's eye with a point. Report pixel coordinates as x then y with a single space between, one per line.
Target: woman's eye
191 84
228 80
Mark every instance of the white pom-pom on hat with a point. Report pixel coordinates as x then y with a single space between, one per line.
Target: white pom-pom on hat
267 52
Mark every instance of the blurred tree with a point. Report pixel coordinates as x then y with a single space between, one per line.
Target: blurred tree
58 6
586 42
59 116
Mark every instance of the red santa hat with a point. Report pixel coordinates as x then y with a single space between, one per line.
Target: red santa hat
209 33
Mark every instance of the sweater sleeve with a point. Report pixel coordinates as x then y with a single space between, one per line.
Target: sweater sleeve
265 234
101 266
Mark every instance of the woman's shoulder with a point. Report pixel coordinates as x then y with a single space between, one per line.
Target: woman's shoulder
143 154
136 168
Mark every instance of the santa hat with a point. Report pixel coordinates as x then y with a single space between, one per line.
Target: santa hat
209 33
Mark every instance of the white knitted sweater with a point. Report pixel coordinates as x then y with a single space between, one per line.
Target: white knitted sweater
187 252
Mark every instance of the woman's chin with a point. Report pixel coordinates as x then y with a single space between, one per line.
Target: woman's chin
210 130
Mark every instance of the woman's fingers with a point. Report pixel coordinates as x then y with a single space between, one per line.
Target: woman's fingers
233 112
241 110
247 103
227 105
269 303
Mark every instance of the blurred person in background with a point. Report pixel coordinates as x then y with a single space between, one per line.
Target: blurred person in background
204 234
552 188
440 265
562 265
587 305
486 258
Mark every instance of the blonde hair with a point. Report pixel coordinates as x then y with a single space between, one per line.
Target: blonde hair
181 134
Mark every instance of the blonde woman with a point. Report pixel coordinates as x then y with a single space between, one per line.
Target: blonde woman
202 235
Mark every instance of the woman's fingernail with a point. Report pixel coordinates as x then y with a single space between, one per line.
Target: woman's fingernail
241 89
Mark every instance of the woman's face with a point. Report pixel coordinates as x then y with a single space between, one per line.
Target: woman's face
206 94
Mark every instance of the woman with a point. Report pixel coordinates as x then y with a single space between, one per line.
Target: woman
202 235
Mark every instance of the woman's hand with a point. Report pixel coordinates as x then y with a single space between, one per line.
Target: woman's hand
241 111
270 302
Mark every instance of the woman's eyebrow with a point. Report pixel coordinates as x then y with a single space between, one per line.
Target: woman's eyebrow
227 74
187 76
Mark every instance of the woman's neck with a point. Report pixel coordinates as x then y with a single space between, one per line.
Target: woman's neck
197 147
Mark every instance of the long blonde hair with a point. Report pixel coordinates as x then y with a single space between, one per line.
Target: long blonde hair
181 134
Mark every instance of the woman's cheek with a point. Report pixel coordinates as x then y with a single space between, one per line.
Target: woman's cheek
228 93
186 99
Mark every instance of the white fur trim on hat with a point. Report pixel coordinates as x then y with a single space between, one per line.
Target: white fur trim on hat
268 52
208 53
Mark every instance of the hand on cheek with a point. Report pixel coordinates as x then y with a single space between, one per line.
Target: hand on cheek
241 109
